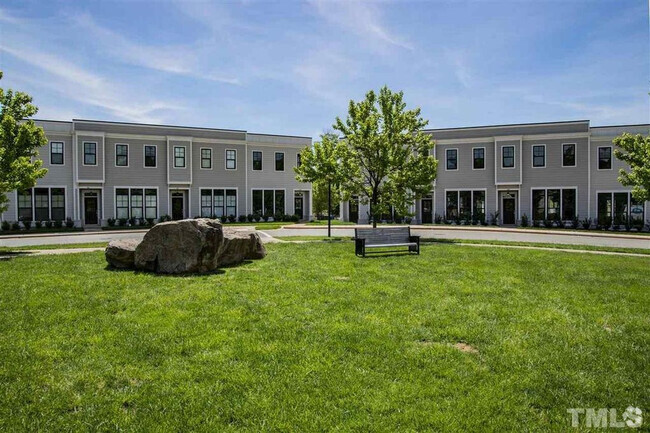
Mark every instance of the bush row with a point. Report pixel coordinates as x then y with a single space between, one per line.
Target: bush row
27 225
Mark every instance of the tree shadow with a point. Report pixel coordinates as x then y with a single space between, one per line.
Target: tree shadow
218 271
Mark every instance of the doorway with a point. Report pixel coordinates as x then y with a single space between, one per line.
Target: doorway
353 210
178 205
427 211
509 210
298 205
91 215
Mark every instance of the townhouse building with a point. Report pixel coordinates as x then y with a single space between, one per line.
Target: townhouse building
99 170
555 171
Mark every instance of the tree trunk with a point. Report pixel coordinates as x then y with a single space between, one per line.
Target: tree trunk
329 209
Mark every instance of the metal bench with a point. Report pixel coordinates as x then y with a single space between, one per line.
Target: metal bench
385 237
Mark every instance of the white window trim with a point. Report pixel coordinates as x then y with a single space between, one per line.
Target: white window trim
225 162
484 158
532 155
211 189
284 163
201 158
545 189
271 189
63 153
83 154
611 158
144 155
49 198
575 155
514 156
144 199
174 157
253 161
457 159
458 191
128 155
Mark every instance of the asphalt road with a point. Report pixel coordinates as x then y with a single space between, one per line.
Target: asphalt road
595 239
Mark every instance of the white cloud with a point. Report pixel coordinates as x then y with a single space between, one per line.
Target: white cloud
321 73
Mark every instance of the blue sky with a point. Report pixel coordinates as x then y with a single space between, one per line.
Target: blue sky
290 67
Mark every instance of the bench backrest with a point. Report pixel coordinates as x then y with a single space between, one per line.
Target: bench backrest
384 235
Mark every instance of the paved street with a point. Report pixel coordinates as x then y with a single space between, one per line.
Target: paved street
442 232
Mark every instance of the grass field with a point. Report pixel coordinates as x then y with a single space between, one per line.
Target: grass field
313 339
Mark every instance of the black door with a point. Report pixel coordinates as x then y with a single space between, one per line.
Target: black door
177 206
508 210
427 211
297 207
353 210
90 211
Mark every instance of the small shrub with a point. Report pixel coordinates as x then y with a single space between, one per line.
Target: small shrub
6 226
27 224
242 218
494 218
69 223
58 224
548 223
256 217
48 224
575 222
164 218
266 217
524 220
250 217
143 222
15 226
232 218
38 224
131 221
111 222
295 218
586 223
628 224
151 221
121 222
437 219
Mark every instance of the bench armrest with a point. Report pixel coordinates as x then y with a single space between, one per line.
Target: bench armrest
359 246
414 238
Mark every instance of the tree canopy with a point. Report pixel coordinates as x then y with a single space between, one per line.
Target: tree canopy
386 159
20 140
634 150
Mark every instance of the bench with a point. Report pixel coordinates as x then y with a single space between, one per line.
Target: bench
383 237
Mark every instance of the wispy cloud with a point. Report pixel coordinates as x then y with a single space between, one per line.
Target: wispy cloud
360 18
460 68
180 59
320 73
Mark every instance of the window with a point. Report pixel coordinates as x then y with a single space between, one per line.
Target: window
90 153
478 204
539 156
179 157
478 158
466 205
279 202
231 202
218 203
150 156
41 204
605 209
122 203
605 158
206 203
620 207
569 155
121 155
25 205
258 201
231 160
257 160
298 160
452 159
279 161
268 202
554 204
616 207
452 204
56 153
636 210
508 157
136 203
206 159
151 203
57 201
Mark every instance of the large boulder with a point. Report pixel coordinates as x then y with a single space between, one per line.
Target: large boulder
181 246
240 245
121 253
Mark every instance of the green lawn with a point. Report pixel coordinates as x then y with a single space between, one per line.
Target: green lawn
314 339
54 246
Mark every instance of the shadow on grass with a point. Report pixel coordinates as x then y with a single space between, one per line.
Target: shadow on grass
219 271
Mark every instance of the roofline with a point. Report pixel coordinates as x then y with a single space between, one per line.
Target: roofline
50 120
153 125
510 125
279 135
622 126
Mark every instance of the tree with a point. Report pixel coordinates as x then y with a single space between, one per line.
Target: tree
320 198
634 150
320 164
387 159
20 139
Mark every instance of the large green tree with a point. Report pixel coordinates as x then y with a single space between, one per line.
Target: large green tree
20 139
387 159
319 165
634 150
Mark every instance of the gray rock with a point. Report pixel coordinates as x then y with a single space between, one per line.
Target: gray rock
240 245
121 253
184 246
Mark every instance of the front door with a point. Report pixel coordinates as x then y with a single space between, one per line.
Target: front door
178 211
509 211
90 211
353 210
297 206
427 211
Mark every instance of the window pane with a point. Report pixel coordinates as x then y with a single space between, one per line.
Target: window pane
150 156
539 208
136 203
150 203
636 209
122 203
90 153
179 157
257 160
206 158
41 204
231 202
218 203
508 156
452 159
279 202
279 161
452 204
568 204
257 202
206 203
553 204
121 155
268 202
25 205
478 204
465 205
57 203
56 153
620 207
231 159
479 158
604 158
605 209
539 156
569 155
